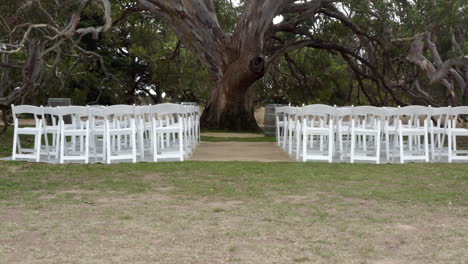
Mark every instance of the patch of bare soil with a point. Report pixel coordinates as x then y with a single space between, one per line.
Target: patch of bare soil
231 135
22 122
240 151
159 227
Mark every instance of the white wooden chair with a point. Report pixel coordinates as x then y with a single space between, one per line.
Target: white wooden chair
51 131
144 130
298 133
454 131
390 132
194 126
168 127
197 124
79 129
293 130
97 133
120 129
343 130
187 121
36 131
280 124
416 126
366 124
318 125
438 130
286 125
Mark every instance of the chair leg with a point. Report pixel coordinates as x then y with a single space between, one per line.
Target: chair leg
15 143
93 143
62 147
330 147
387 146
86 139
433 143
449 139
155 147
353 146
108 148
181 145
340 139
402 158
426 146
57 145
142 143
82 143
37 146
321 142
298 144
133 142
278 135
410 143
378 146
304 146
46 141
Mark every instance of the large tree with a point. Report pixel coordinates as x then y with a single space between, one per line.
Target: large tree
388 52
235 60
364 33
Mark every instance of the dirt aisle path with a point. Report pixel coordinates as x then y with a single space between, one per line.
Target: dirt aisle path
240 151
231 135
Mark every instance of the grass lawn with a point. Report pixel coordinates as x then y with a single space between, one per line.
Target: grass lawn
232 212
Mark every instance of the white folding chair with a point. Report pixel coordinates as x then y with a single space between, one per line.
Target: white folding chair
280 124
286 125
454 131
317 125
78 131
438 130
298 132
97 133
197 124
366 125
167 127
144 130
187 122
294 114
120 129
343 130
390 132
51 131
36 131
415 127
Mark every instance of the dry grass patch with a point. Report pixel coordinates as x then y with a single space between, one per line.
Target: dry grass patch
205 212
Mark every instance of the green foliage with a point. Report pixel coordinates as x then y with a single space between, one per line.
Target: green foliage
143 58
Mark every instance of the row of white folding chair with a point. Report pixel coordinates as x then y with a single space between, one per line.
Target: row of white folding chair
111 124
454 131
413 134
319 119
165 131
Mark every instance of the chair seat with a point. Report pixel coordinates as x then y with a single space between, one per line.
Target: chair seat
172 128
366 131
28 130
413 131
459 131
75 131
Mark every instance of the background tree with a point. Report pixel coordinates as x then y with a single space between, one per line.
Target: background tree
234 56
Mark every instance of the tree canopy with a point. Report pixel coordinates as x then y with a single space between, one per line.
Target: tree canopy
233 56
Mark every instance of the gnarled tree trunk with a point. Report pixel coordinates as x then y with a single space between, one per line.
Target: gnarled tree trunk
235 61
230 105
